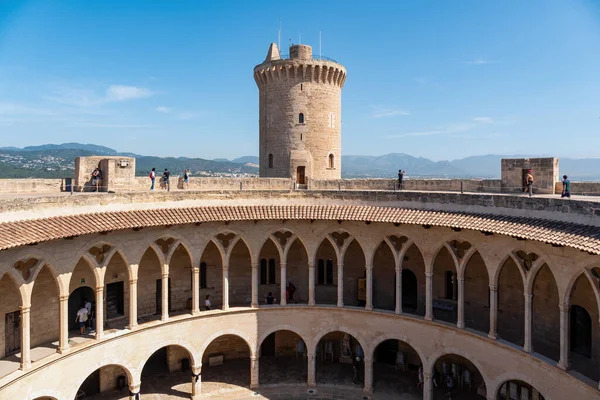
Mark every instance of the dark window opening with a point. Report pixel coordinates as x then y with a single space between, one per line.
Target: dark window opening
581 331
270 160
203 284
300 87
329 272
321 272
325 272
331 161
300 136
267 271
300 118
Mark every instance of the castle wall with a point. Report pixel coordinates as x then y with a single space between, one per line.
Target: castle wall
544 171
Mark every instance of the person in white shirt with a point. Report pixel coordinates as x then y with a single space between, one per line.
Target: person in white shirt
207 302
82 316
88 307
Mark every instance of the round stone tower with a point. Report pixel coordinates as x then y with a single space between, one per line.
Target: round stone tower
300 115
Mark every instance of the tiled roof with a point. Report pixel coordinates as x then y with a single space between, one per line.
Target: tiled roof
20 233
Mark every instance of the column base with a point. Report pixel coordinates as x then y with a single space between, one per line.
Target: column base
563 366
340 305
254 386
62 350
493 336
254 305
368 390
428 318
26 366
283 303
460 326
311 303
527 349
398 312
164 319
369 308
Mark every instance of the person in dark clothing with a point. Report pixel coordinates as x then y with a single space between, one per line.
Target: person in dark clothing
566 191
166 176
270 299
401 179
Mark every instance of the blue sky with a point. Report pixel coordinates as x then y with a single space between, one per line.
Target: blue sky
438 79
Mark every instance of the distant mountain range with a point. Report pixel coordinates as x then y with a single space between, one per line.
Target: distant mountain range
56 160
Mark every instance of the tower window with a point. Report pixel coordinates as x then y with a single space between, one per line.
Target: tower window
270 160
300 87
300 136
300 118
331 161
331 120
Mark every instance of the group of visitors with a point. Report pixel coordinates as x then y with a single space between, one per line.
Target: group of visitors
528 185
166 179
86 317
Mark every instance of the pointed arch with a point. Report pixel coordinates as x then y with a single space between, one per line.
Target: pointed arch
476 293
84 274
445 284
511 303
180 278
545 313
384 277
44 307
240 266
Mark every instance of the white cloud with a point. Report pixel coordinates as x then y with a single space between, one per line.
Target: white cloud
384 112
479 61
122 93
81 97
484 120
164 110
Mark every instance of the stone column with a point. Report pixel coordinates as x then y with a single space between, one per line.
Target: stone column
196 382
99 312
63 316
132 303
565 335
527 342
398 290
311 375
340 284
254 303
283 300
368 362
195 291
25 338
134 391
427 386
369 302
460 321
493 312
254 373
165 296
225 287
311 284
429 296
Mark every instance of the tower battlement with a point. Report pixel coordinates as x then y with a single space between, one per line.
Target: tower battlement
300 115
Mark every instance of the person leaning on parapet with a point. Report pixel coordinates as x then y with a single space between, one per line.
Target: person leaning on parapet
529 183
166 176
96 178
566 190
152 178
400 178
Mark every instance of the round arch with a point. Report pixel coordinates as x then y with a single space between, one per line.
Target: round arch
166 343
234 332
512 376
370 351
435 357
320 335
274 329
87 370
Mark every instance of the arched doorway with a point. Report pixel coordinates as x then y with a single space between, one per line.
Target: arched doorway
511 304
545 334
110 381
81 291
167 372
211 278
354 271
116 289
149 293
180 281
240 275
518 390
269 273
78 298
297 271
413 273
445 287
283 359
335 360
396 369
409 291
326 274
584 329
226 364
477 294
10 322
384 278
44 308
456 377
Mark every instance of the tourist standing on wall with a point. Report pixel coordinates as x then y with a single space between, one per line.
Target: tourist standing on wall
529 183
186 179
166 176
96 178
401 179
152 178
566 191
207 304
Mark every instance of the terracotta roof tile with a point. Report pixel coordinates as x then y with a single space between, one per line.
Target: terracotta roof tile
19 233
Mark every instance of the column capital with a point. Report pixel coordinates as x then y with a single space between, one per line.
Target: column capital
225 266
165 275
429 274
494 288
99 289
63 298
196 270
369 267
461 280
368 360
426 375
528 296
311 264
25 309
197 369
564 308
340 264
398 268
133 281
254 358
283 264
255 265
310 356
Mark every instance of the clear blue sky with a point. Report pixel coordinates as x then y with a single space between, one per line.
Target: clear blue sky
438 79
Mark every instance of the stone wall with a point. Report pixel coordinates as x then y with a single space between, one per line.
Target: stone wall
32 185
109 376
10 301
580 188
175 357
118 173
229 346
544 170
206 183
44 309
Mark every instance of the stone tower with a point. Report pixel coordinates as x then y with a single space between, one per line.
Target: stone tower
300 115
